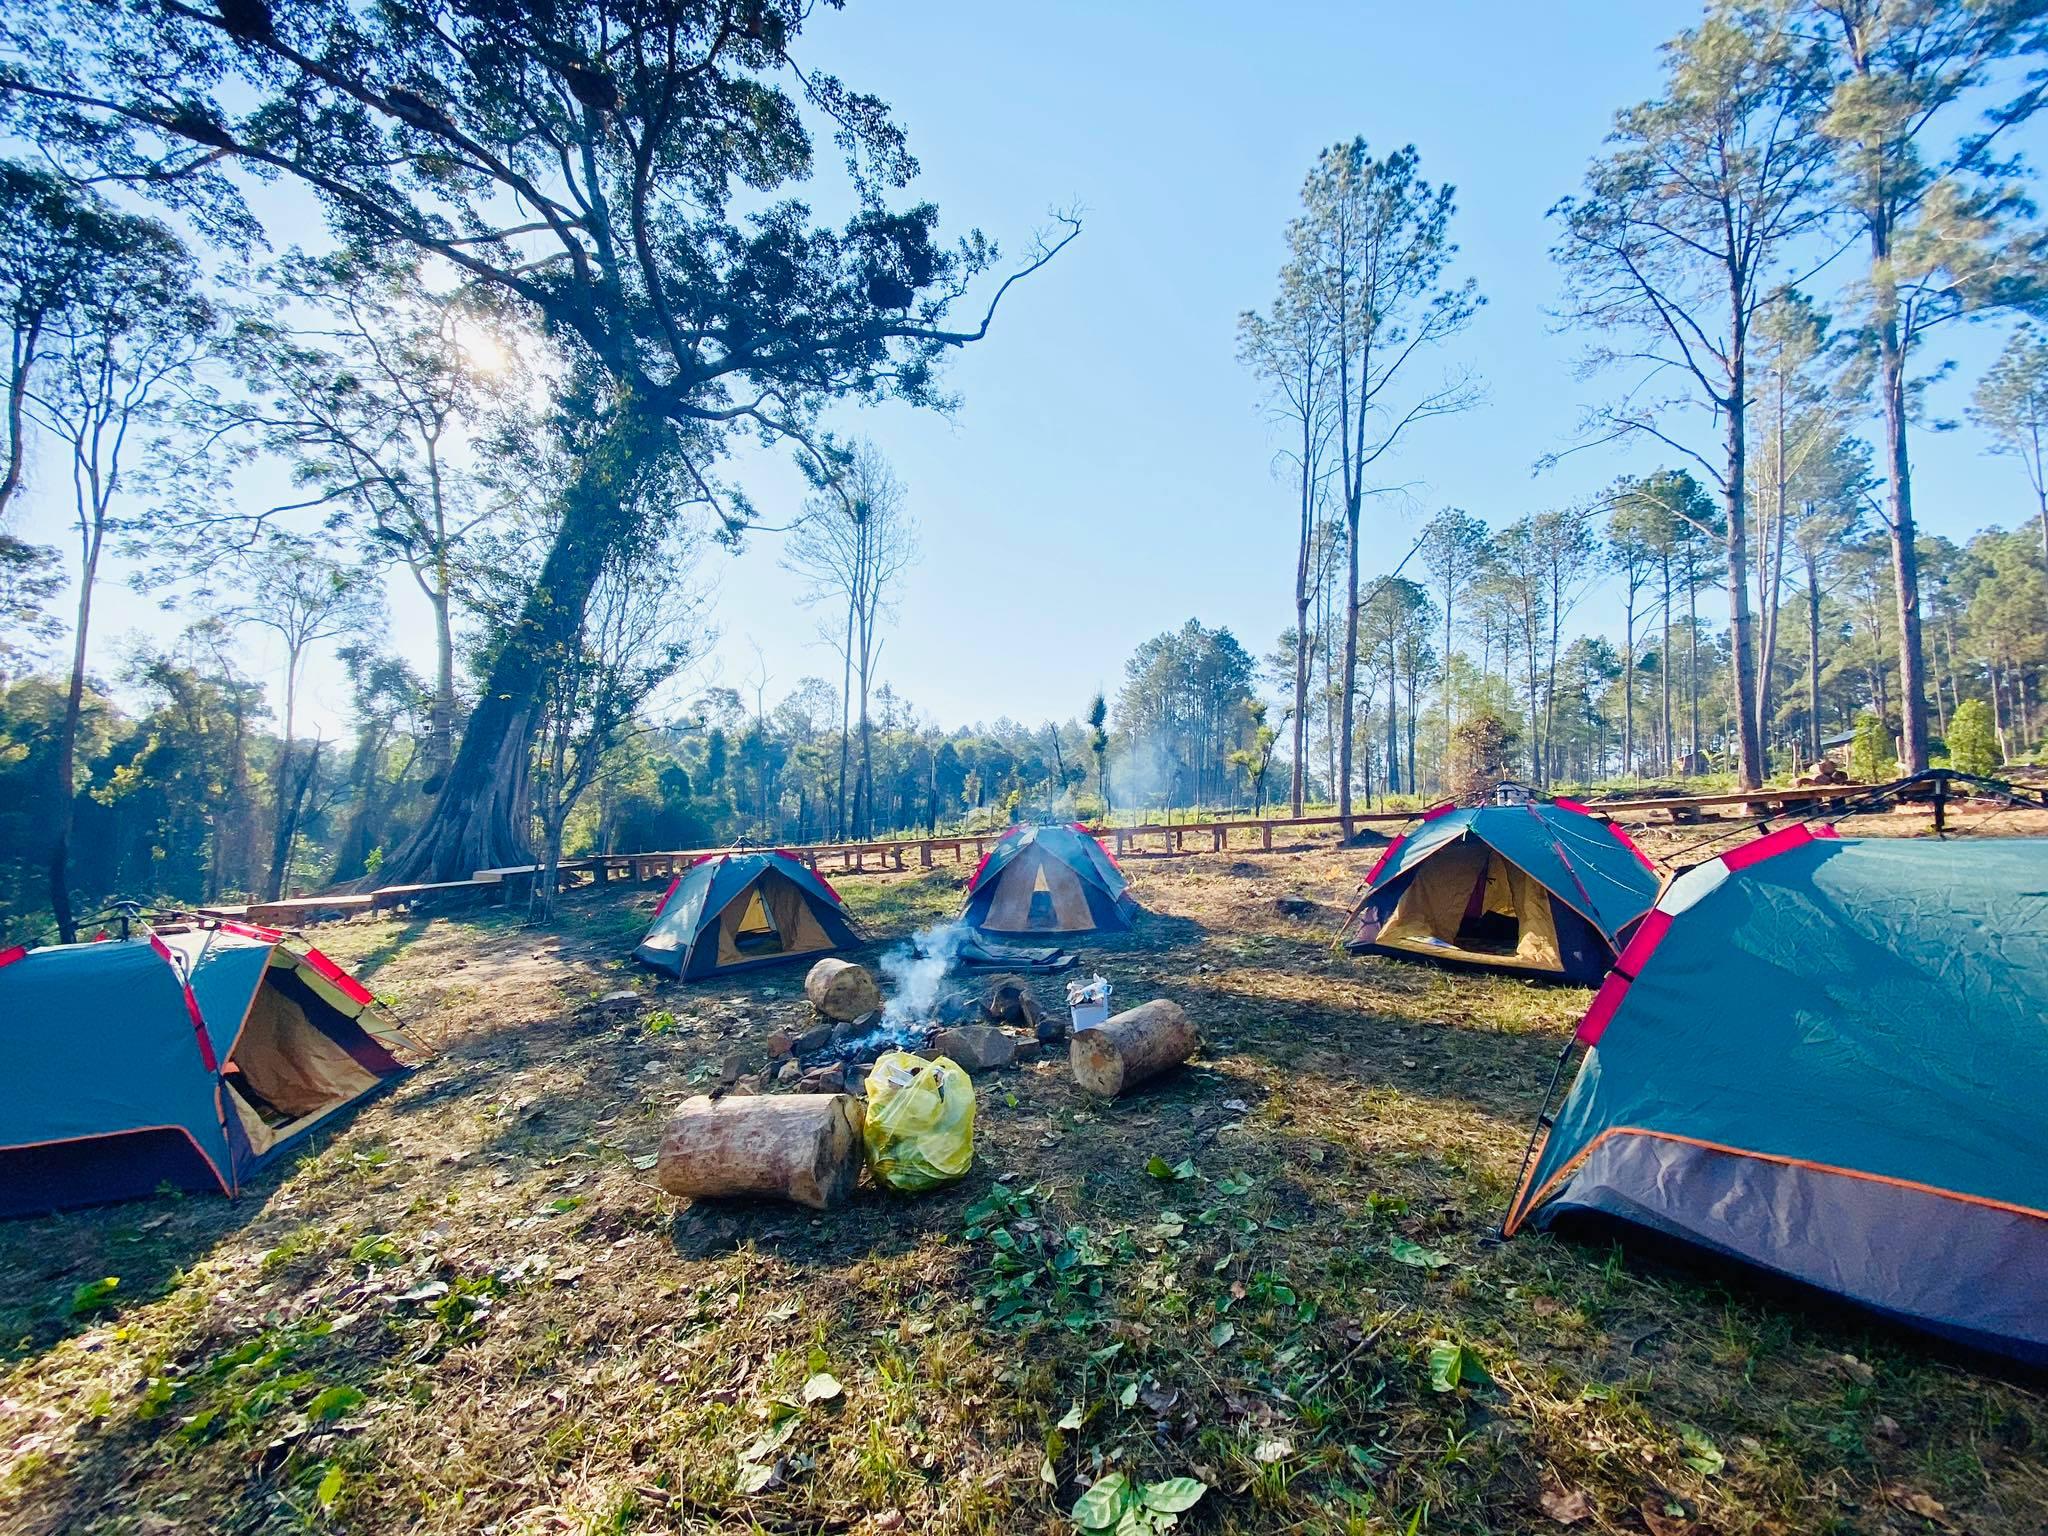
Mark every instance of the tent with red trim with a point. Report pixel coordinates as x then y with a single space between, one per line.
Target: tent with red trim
189 1057
1826 1058
1048 880
734 911
1537 888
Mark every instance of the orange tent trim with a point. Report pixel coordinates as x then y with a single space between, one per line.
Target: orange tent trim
1522 1206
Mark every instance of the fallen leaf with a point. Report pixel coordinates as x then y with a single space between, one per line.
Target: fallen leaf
1701 1454
1415 1255
1453 1364
759 1477
1567 1506
1885 1427
1915 1502
1275 1449
822 1388
1661 1523
1159 1400
1856 1370
432 1290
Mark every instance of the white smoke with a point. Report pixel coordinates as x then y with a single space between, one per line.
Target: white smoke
916 970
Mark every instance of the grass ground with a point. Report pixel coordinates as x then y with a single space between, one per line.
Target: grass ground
470 1311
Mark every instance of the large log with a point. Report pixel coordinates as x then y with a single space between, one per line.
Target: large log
841 990
804 1147
1134 1045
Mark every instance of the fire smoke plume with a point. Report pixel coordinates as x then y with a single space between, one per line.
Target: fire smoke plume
916 970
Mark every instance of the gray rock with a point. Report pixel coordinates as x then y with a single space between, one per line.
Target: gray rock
977 1047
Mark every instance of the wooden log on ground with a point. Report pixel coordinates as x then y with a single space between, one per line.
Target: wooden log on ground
1134 1045
1008 1000
841 990
804 1147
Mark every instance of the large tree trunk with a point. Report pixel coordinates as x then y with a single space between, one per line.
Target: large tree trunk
1692 654
1749 773
23 339
65 769
1628 679
1350 667
441 716
291 802
1905 558
481 819
1813 657
1664 661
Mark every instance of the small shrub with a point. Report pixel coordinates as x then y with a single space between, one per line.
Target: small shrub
1973 739
1872 758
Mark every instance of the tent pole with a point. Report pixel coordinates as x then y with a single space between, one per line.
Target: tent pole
1543 1121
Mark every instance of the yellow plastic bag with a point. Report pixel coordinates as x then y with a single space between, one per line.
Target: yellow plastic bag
920 1122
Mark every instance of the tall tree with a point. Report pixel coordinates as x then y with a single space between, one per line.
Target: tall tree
52 237
376 390
1454 554
1098 746
642 627
1932 191
1289 347
1634 526
1680 240
1374 244
115 360
853 547
302 597
2011 404
583 163
1797 427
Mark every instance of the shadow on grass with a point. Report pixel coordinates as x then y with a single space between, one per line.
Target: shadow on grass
389 947
51 1267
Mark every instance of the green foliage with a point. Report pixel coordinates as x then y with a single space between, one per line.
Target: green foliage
94 1296
1973 739
1872 759
1125 1508
1454 1365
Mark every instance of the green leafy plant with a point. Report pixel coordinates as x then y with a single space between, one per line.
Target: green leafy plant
1454 1365
94 1295
1031 1273
1176 1173
1124 1508
1415 1255
377 1250
1701 1454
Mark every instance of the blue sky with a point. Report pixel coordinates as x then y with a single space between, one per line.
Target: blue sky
1109 473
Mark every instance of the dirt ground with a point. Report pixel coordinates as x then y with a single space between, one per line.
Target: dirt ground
469 1309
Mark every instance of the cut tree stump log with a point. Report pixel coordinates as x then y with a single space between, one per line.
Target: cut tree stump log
1139 1043
841 990
804 1147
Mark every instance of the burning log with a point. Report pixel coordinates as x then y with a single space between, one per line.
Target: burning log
804 1147
1009 1001
839 989
1139 1043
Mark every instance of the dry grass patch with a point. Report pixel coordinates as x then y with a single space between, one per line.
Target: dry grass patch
469 1311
